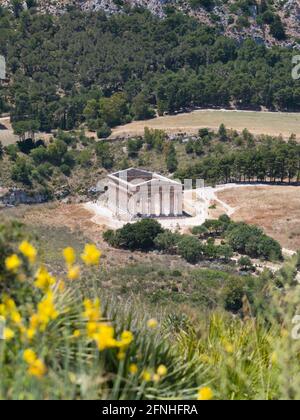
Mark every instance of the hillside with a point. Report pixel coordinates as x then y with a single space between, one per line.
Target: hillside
268 22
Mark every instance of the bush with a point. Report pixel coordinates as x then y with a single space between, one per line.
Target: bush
56 336
233 294
137 236
21 171
251 240
246 264
65 169
167 242
104 131
190 249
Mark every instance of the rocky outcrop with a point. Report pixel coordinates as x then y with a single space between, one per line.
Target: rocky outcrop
14 197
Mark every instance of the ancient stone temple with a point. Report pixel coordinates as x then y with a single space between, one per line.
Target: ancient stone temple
135 193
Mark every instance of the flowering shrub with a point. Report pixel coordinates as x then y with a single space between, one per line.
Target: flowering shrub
61 343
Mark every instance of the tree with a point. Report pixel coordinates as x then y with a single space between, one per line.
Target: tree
246 264
104 131
222 133
277 28
171 158
104 154
141 108
233 294
138 236
113 110
190 248
167 242
21 171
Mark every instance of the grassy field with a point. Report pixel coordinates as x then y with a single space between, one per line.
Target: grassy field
274 208
273 123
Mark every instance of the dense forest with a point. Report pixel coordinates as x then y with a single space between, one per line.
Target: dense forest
104 70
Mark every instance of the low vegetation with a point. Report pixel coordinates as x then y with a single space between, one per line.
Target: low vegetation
148 234
60 343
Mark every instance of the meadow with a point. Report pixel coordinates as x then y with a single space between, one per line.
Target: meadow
271 123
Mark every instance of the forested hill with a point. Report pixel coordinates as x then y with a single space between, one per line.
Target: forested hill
267 21
88 67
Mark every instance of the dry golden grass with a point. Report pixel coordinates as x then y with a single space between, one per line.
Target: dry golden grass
275 208
272 123
72 222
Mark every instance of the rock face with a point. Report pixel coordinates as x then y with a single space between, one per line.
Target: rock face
14 197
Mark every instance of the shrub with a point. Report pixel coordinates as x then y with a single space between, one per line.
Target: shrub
167 241
190 249
104 131
137 236
246 264
233 294
56 336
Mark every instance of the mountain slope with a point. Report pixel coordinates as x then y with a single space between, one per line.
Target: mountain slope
268 22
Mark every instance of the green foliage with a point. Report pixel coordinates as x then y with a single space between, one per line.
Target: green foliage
190 249
273 160
137 236
167 242
104 131
104 154
112 72
252 241
246 264
171 158
22 171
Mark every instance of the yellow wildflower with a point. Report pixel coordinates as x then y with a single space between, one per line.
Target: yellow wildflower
13 263
28 251
228 348
162 370
104 337
44 280
35 366
69 255
29 356
76 334
205 394
146 375
9 304
91 255
121 355
126 339
8 334
46 311
92 310
16 317
152 323
73 273
31 332
133 369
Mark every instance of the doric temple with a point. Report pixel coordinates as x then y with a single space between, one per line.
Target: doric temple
137 193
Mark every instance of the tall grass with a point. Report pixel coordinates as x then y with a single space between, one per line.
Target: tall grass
251 358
